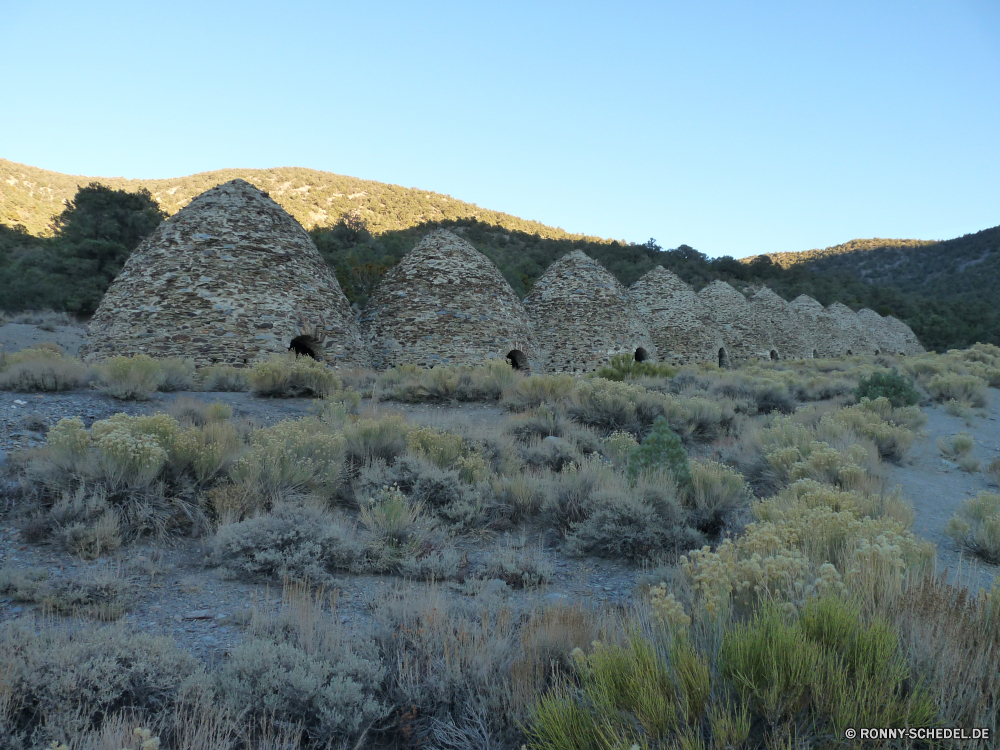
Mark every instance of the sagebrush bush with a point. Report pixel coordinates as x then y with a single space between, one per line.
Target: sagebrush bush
292 376
625 367
535 390
956 446
299 541
294 455
209 451
104 596
178 374
966 389
459 383
60 681
40 369
716 493
224 378
130 378
518 565
976 526
382 438
300 669
888 384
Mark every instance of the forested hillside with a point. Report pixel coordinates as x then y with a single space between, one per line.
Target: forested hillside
967 267
65 260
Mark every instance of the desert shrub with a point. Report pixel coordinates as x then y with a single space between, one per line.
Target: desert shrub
462 383
40 369
640 522
130 378
661 450
302 671
570 493
298 541
519 566
958 409
425 482
966 389
976 526
441 448
193 412
178 374
447 662
292 456
535 390
828 659
383 438
888 384
83 523
541 422
873 420
606 404
625 367
208 452
716 492
224 378
956 446
618 447
104 596
552 453
523 494
993 471
61 681
622 694
291 376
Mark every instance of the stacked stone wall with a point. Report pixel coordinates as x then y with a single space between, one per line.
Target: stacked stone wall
680 324
231 278
582 316
786 327
852 336
446 303
910 343
745 334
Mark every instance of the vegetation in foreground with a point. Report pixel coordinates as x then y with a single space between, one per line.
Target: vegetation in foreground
785 598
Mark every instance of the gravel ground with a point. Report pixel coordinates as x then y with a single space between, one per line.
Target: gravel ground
17 336
937 487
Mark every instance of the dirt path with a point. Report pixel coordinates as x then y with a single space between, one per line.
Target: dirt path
937 488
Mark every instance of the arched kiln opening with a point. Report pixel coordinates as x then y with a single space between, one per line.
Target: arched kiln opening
306 346
774 356
641 355
517 359
723 358
877 351
815 354
850 353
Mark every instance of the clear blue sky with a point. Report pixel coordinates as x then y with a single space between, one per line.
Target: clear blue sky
737 128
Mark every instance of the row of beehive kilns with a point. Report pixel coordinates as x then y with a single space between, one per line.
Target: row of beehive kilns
447 303
233 278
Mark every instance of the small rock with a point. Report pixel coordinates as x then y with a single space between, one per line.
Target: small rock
202 614
209 640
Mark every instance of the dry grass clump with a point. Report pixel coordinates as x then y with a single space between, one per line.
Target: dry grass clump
976 526
518 564
133 378
993 471
382 438
441 384
104 596
178 374
292 376
40 369
534 390
224 378
958 448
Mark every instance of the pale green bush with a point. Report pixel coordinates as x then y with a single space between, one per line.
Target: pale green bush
60 681
716 492
535 390
294 455
130 378
178 374
383 438
956 446
208 452
224 378
292 540
289 376
40 369
299 668
976 526
518 565
966 389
